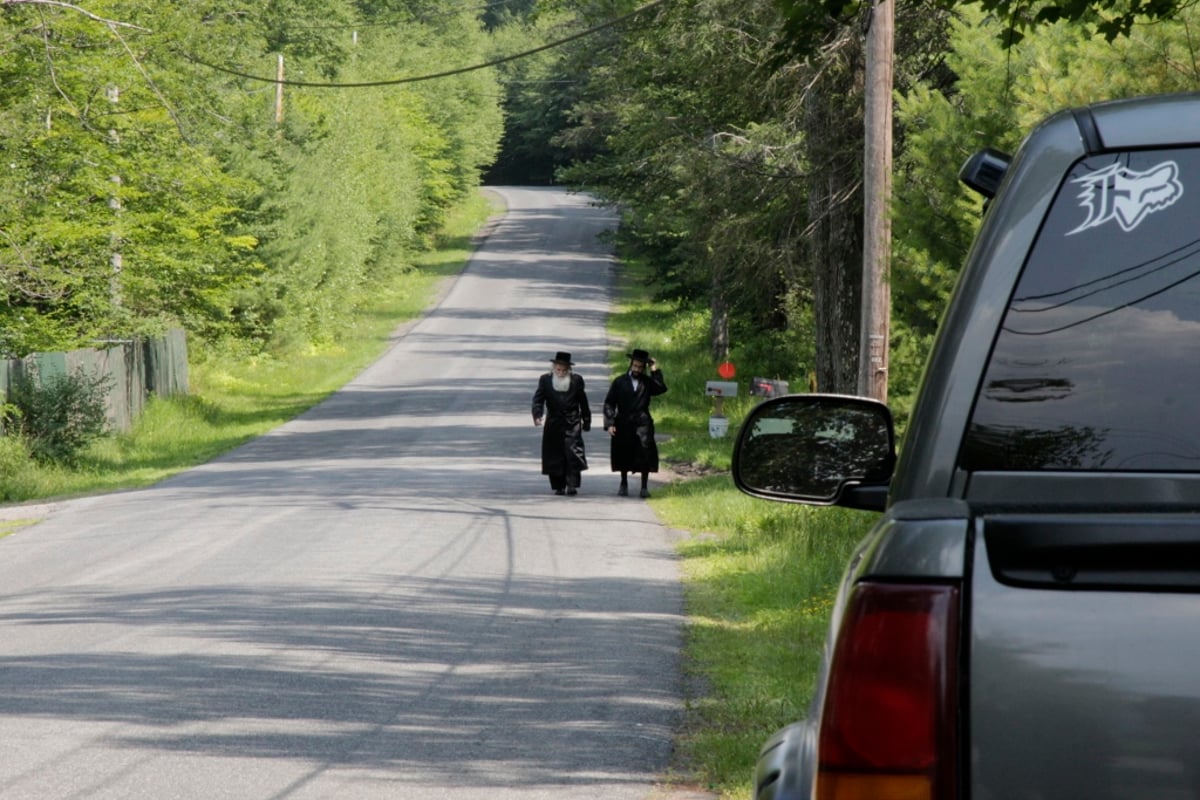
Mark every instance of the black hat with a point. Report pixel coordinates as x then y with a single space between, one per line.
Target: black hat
640 355
562 358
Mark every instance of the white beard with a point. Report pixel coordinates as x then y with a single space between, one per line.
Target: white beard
561 384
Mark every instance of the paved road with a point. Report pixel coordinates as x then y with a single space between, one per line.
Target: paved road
381 598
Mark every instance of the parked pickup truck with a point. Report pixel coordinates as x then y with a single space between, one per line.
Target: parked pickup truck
1023 620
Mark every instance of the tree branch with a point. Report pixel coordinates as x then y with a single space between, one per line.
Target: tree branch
71 7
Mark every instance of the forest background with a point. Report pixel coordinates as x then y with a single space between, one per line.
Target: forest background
155 174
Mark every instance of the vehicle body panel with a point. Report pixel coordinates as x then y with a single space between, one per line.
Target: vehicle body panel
940 414
1091 694
1080 571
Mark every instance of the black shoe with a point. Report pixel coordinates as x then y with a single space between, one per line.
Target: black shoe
572 490
559 491
623 491
644 493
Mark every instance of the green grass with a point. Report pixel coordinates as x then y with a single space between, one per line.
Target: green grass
235 400
759 577
13 525
760 581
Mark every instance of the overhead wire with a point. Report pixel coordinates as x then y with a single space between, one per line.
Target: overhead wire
419 78
444 12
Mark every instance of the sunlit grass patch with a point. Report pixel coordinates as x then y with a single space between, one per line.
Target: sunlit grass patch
9 526
760 583
759 577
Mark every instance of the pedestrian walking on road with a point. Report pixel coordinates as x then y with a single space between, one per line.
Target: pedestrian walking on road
560 406
628 421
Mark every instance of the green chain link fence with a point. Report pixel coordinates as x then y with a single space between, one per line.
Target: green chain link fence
138 368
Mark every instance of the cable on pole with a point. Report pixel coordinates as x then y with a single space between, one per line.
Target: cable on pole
448 73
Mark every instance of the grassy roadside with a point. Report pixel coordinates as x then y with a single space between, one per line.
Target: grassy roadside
233 401
759 577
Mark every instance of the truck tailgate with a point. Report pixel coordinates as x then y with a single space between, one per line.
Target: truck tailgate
1085 658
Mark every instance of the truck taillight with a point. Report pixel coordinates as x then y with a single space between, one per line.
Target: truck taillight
889 727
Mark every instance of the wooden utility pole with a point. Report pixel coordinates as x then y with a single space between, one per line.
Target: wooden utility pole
279 91
877 192
116 259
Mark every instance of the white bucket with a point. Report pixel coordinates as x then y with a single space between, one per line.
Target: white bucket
718 427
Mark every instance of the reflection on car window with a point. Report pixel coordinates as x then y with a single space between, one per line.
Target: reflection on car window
1096 366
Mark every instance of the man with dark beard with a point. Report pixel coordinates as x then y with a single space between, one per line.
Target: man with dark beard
561 403
628 421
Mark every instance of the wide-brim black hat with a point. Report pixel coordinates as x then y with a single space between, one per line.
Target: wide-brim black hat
640 355
562 358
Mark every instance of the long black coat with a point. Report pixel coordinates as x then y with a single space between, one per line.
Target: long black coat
633 447
567 415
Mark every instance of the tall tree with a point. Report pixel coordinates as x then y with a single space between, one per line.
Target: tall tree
100 231
690 146
148 183
833 126
740 165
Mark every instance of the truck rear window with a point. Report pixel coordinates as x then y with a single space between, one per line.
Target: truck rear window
1097 364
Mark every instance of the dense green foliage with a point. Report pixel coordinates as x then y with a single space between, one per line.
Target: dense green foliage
1108 19
151 179
147 180
56 417
739 172
540 91
735 155
997 96
233 399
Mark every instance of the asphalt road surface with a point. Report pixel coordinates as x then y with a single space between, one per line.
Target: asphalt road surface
379 599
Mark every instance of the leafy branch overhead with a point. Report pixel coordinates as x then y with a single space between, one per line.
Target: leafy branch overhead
70 6
805 20
141 190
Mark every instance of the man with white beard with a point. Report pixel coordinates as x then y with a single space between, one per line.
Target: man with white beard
560 402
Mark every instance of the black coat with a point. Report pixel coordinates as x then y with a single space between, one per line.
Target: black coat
633 447
567 415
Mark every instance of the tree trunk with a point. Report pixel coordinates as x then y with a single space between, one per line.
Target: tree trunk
834 134
718 326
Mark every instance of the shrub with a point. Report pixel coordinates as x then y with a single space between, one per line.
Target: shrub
14 460
10 419
60 415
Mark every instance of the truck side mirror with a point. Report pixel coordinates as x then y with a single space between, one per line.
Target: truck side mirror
817 449
984 170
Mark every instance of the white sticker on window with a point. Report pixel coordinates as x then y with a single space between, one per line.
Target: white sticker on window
1120 194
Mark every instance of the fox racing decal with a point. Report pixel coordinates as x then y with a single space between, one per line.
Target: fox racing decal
1118 193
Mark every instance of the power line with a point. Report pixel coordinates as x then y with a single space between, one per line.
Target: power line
448 73
383 23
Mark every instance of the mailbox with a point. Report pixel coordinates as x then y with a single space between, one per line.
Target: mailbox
766 387
718 425
721 388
